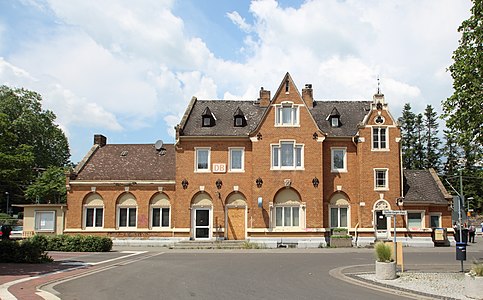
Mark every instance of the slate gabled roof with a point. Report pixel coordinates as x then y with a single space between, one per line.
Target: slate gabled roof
224 111
423 186
140 162
351 114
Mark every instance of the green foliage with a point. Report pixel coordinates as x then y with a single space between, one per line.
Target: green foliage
383 252
25 251
477 269
419 144
49 187
73 243
29 141
249 245
463 109
407 121
431 138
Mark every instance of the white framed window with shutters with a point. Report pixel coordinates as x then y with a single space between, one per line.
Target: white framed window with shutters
45 221
236 159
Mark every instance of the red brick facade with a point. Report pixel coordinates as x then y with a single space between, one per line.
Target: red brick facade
269 200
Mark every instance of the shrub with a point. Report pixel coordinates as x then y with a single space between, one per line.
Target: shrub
477 269
383 252
78 243
26 251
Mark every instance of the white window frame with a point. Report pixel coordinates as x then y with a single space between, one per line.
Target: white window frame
208 169
283 207
439 215
278 148
338 216
332 162
386 179
160 217
230 167
421 213
386 140
294 114
38 225
86 207
334 122
119 207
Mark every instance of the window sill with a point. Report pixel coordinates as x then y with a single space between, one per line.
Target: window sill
287 125
202 171
381 189
380 150
338 171
236 171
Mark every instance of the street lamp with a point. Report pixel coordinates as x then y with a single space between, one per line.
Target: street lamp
8 200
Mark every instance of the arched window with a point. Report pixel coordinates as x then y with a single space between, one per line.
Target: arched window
126 211
160 211
93 211
287 207
339 211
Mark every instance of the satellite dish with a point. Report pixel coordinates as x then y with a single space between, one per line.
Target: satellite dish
158 145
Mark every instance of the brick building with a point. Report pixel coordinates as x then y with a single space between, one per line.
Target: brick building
281 169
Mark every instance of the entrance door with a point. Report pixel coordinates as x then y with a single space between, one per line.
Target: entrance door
381 225
236 223
202 223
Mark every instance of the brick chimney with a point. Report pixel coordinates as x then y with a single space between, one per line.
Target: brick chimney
308 95
264 97
100 140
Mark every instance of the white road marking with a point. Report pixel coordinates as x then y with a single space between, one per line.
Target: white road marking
6 295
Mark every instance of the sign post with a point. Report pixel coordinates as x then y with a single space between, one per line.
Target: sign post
393 214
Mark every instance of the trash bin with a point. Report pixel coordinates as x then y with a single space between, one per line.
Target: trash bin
460 251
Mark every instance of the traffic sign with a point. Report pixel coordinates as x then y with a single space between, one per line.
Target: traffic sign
394 212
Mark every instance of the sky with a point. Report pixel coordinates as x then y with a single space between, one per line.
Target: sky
128 69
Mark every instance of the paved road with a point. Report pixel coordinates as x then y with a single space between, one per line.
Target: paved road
273 274
159 273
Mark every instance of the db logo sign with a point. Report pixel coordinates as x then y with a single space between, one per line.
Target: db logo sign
219 168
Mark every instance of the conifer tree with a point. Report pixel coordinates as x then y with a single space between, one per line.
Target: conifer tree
431 138
407 121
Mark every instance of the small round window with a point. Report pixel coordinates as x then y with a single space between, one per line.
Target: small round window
379 120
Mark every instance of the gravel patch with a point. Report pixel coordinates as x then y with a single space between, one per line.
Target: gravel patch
441 285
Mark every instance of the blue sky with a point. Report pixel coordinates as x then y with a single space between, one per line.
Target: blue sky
127 69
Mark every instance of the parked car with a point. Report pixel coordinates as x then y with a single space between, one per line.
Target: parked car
17 232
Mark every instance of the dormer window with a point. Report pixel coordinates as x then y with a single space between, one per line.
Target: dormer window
208 119
334 118
334 122
239 118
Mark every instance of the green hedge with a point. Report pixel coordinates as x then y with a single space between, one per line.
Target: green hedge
74 243
26 251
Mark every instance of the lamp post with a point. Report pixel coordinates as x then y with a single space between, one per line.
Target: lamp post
8 200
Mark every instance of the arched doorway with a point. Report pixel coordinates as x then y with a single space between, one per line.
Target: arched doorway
236 217
201 216
381 222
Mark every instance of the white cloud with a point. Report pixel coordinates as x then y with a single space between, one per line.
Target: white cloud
239 21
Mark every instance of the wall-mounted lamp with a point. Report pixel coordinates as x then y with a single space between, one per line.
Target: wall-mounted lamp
185 183
315 136
219 183
400 201
259 182
259 136
315 182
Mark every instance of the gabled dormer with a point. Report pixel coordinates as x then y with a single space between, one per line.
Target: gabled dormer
334 118
207 118
239 119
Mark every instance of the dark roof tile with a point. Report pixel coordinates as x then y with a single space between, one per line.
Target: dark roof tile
139 162
421 186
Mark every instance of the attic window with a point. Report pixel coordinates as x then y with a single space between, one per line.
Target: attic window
286 86
239 118
335 122
124 153
334 118
208 120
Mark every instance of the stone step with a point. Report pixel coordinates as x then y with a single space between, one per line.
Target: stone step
209 245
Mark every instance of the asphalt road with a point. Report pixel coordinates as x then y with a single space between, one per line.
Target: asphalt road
243 274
